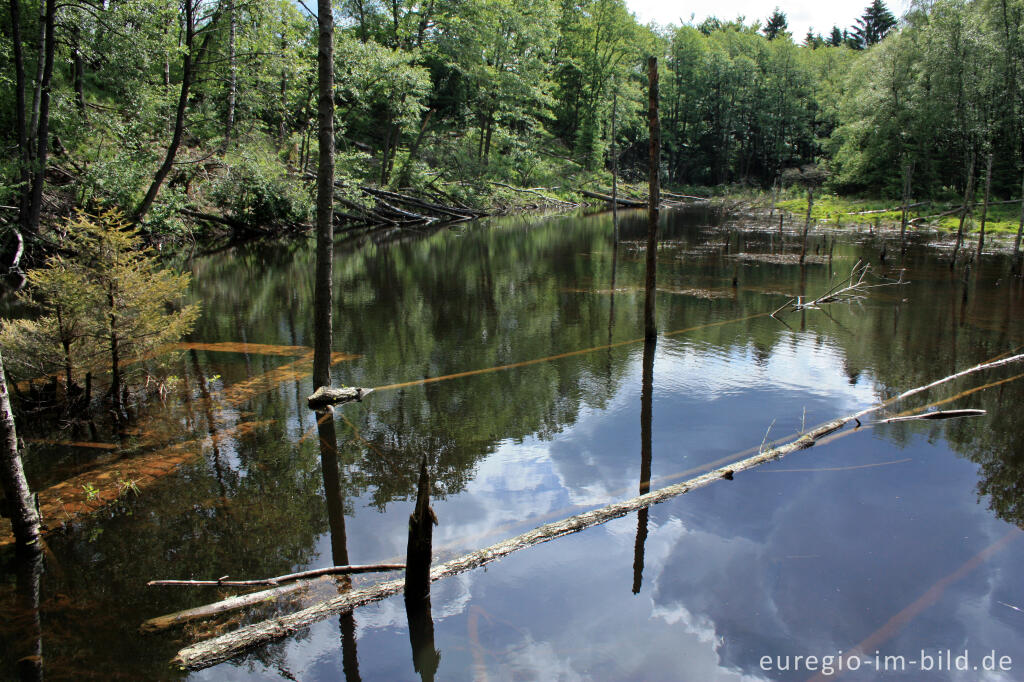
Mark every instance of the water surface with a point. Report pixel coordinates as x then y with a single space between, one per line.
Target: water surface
898 538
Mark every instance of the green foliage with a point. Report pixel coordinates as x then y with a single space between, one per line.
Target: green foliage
107 303
255 189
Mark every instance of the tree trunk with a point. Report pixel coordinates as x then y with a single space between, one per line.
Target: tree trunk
615 171
964 210
807 224
908 170
654 198
984 205
77 63
229 124
115 357
322 317
43 122
189 63
24 517
405 175
21 131
1020 226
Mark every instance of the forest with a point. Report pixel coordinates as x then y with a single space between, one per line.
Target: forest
201 116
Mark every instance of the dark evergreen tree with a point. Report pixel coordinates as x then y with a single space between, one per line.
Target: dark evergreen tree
874 24
776 25
835 39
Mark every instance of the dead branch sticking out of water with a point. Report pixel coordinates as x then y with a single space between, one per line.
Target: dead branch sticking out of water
302 575
852 288
217 650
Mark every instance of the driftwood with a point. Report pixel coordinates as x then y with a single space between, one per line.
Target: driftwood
217 650
325 395
302 575
630 203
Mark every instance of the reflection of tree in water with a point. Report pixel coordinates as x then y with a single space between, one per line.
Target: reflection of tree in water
334 491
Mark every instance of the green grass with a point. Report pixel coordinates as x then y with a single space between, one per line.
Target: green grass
1003 218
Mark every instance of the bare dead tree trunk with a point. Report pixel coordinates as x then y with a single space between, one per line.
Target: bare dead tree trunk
615 171
1020 226
984 205
323 337
807 224
24 517
964 210
654 189
908 171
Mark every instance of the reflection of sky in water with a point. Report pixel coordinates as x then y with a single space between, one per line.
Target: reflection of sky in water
780 561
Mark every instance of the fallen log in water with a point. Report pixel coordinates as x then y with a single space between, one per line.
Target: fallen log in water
207 611
629 203
291 577
325 395
219 649
938 414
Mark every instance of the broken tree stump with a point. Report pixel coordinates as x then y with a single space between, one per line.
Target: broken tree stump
325 395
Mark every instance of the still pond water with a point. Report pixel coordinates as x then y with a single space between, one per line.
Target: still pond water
897 538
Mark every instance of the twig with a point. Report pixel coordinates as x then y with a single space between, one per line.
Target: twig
222 648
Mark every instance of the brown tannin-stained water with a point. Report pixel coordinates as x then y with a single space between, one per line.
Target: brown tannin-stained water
510 354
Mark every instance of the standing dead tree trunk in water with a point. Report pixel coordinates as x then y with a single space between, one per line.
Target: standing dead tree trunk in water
984 205
24 517
1020 226
615 169
809 177
965 209
323 337
908 172
418 556
654 166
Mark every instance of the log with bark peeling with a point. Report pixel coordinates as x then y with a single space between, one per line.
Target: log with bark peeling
325 395
217 650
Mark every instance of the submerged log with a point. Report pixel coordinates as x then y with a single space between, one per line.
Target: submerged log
325 395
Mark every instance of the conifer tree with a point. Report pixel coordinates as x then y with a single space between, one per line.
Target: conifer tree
776 25
874 24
